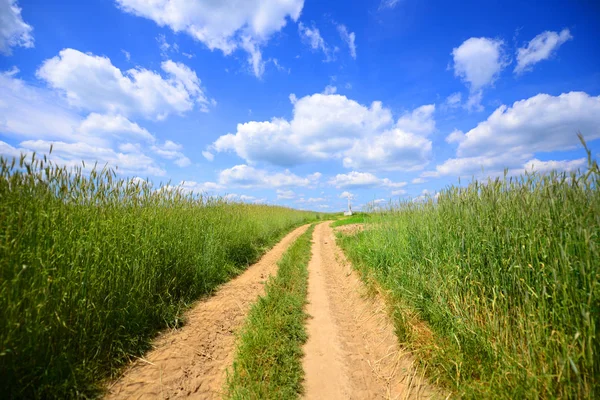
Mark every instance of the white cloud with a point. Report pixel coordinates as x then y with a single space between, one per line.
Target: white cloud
329 89
332 126
478 62
547 166
29 112
32 112
513 135
346 195
541 123
456 136
93 83
362 180
13 30
540 48
225 25
126 54
97 124
404 147
193 187
246 176
208 155
165 47
393 149
454 100
419 121
285 194
313 38
72 154
417 181
172 151
399 192
349 38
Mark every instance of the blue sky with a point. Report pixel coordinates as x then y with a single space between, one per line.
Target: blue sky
301 103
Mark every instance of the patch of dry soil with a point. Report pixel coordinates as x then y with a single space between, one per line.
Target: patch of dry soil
192 361
351 229
352 351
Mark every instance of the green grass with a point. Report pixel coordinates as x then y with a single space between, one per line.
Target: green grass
268 361
358 218
92 266
496 286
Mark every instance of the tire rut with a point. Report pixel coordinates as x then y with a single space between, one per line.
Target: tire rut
352 351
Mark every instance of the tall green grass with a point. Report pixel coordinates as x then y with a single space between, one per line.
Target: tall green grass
92 266
506 276
268 361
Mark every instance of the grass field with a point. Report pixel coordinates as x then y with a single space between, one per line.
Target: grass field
496 286
92 266
268 362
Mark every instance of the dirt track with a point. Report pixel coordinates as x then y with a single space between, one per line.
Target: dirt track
191 362
352 351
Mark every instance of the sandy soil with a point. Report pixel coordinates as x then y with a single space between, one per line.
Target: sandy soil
352 351
351 229
192 361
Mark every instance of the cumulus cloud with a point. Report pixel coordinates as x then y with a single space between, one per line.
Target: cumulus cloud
541 123
32 112
97 124
333 126
348 38
540 48
247 176
346 195
478 62
93 83
511 136
356 179
224 25
13 30
72 154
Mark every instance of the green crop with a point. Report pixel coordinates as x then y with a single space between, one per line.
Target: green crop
506 276
92 266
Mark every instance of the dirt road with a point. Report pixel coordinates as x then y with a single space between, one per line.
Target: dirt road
352 351
191 362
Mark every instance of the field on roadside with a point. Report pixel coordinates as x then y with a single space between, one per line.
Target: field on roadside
496 286
92 266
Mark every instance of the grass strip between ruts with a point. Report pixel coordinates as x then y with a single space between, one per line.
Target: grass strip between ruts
268 360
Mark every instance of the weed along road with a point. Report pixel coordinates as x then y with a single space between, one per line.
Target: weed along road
192 361
352 351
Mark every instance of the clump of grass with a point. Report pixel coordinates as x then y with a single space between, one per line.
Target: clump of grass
92 266
358 218
268 361
497 285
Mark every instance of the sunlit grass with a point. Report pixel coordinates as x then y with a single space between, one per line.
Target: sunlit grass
506 276
92 266
268 361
